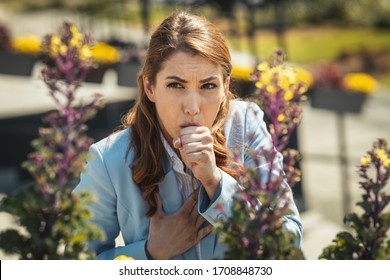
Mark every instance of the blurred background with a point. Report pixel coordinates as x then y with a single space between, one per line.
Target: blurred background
351 35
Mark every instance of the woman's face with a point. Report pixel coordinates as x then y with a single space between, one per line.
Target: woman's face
188 91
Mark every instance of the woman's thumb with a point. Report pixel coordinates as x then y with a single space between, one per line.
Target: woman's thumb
177 143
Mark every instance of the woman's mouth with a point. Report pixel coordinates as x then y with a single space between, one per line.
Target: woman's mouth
188 124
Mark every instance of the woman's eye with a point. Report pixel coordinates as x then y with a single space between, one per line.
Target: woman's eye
174 85
209 86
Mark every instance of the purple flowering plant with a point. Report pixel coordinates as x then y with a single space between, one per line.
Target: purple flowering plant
5 37
369 234
257 232
52 216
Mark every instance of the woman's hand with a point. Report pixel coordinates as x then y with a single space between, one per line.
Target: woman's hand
197 151
172 235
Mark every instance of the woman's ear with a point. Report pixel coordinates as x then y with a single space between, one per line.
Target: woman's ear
227 84
148 88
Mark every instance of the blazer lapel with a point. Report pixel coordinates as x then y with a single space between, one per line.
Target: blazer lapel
169 190
209 246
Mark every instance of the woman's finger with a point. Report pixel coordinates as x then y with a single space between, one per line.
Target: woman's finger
204 138
203 232
189 205
200 220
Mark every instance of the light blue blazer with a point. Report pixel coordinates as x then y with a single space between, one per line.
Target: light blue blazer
121 208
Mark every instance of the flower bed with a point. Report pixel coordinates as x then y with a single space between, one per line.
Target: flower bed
13 63
333 89
337 100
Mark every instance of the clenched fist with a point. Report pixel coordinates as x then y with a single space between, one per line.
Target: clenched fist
196 150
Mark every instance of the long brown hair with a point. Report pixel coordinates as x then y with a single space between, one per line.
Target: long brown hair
178 32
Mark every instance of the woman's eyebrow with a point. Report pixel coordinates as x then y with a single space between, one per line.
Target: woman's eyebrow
211 78
176 78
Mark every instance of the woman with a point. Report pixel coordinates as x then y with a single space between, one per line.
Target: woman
159 179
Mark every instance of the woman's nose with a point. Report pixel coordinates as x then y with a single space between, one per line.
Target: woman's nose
192 104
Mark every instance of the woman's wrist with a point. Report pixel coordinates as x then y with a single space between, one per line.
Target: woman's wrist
212 184
153 253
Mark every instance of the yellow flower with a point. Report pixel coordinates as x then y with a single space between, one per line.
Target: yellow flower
55 40
381 154
55 43
259 85
289 94
75 32
361 82
366 160
303 75
266 77
63 49
264 66
77 37
283 77
287 77
104 53
85 52
29 44
281 118
123 257
241 73
271 88
76 43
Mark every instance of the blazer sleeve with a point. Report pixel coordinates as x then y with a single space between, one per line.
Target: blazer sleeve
96 180
253 136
